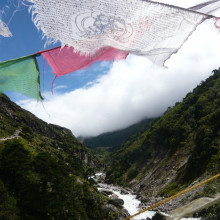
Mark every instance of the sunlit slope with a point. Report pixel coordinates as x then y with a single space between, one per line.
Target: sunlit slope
182 146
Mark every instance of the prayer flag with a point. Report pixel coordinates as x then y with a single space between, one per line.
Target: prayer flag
21 75
148 28
4 31
65 60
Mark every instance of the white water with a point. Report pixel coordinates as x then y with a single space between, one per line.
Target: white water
131 204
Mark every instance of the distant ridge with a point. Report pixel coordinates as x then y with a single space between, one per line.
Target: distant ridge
115 139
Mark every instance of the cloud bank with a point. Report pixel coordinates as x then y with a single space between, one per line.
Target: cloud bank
132 89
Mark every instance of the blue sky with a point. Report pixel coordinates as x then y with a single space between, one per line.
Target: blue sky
27 40
111 96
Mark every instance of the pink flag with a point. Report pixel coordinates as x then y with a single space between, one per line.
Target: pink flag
64 60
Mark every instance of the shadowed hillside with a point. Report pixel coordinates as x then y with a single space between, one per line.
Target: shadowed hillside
44 171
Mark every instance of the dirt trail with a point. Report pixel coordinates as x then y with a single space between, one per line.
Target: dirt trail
15 135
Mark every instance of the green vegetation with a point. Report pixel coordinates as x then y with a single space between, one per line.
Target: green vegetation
115 139
183 144
211 213
171 189
8 209
105 144
44 171
44 187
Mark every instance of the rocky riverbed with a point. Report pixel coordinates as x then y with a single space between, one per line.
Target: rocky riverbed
127 199
120 196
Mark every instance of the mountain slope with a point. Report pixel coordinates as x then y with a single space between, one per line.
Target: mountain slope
181 147
116 138
44 171
37 135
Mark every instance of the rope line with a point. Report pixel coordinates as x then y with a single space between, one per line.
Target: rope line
172 197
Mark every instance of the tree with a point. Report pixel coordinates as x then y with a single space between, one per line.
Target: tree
8 209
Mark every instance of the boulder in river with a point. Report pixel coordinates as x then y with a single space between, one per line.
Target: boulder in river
117 202
158 216
107 192
144 199
114 211
124 192
110 207
113 196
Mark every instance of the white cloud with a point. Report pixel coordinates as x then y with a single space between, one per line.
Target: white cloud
133 89
60 87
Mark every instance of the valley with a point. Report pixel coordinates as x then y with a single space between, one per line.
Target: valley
45 171
177 151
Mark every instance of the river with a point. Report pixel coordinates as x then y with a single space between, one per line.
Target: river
131 204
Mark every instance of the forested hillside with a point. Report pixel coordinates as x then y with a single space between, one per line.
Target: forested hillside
44 171
115 139
181 147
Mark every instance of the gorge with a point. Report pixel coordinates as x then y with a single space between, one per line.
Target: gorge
45 170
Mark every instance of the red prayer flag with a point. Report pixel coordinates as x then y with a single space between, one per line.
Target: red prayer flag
65 60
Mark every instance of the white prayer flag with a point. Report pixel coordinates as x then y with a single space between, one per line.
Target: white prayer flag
146 28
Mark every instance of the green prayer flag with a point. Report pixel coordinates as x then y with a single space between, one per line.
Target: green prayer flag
21 75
